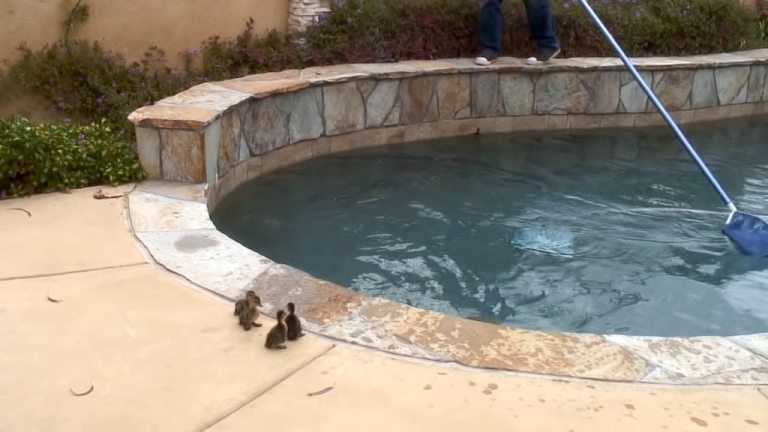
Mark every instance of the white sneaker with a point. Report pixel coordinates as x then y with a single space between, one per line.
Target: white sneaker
543 55
486 58
482 61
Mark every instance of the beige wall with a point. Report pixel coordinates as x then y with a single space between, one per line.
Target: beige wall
131 26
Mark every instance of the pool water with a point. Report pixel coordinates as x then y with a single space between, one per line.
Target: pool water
610 231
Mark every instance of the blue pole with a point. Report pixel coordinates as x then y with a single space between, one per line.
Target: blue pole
691 151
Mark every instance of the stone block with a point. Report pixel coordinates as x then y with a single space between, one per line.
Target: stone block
306 121
486 95
211 144
333 74
561 93
344 109
690 358
604 90
173 117
388 70
207 96
432 66
395 116
263 85
673 88
758 76
148 145
380 102
231 141
633 98
182 155
453 96
517 94
704 93
732 84
419 103
265 125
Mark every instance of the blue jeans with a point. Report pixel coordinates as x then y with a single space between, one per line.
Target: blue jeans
541 24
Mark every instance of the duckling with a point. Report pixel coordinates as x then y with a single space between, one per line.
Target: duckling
239 306
293 323
251 301
255 302
246 316
277 335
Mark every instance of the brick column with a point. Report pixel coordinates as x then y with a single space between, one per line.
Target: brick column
303 13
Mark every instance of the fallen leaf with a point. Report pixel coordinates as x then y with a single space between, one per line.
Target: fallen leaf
99 195
321 391
75 393
21 210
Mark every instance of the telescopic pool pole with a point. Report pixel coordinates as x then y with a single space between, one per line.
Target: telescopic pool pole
749 232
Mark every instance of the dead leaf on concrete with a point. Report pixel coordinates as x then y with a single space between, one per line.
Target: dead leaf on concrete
321 391
99 195
21 210
81 393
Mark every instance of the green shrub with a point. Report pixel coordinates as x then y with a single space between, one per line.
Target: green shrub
54 157
245 54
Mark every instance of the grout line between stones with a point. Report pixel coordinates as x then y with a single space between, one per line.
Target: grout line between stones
263 392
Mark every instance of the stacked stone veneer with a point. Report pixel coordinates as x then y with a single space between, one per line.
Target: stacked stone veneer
227 132
304 13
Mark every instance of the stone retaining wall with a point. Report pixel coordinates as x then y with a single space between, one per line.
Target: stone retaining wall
224 133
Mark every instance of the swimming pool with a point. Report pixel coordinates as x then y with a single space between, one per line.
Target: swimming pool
611 231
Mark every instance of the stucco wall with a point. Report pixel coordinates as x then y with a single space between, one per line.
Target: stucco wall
130 27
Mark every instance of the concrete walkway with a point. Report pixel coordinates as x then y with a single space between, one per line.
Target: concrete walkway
82 305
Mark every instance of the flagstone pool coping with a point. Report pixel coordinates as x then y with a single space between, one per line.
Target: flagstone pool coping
199 145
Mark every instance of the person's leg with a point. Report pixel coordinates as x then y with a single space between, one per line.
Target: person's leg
541 23
489 31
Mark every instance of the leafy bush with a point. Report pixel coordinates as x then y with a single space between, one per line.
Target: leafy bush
85 82
246 54
54 157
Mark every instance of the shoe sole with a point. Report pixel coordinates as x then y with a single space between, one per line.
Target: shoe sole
482 61
534 60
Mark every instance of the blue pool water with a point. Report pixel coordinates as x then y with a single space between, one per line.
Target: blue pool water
611 231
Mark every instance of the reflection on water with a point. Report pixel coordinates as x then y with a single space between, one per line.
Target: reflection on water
610 231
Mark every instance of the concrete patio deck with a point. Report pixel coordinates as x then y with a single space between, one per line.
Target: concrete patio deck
164 355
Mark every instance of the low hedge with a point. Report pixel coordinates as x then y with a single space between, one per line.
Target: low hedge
55 157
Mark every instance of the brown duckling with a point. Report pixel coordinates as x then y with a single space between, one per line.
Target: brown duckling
293 323
246 317
277 335
255 302
251 302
